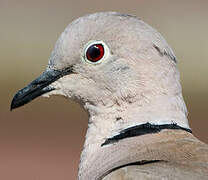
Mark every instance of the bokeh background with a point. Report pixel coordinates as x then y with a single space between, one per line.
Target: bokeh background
43 140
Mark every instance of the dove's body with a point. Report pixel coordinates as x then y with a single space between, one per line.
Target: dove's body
169 154
124 74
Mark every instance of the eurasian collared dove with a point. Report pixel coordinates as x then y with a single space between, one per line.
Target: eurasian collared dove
124 74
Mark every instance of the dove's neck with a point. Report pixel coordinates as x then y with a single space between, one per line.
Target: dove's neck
108 121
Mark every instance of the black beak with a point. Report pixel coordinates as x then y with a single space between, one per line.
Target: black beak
39 86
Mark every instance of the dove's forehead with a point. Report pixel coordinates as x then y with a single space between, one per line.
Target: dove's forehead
105 26
114 28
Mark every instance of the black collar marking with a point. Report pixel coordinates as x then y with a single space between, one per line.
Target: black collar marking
142 129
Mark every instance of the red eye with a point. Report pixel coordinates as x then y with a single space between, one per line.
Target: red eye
95 52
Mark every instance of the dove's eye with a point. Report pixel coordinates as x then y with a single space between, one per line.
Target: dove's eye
95 52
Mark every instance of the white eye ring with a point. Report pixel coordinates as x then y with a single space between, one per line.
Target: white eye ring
96 44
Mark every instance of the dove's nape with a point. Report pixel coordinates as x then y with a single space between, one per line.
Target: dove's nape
124 74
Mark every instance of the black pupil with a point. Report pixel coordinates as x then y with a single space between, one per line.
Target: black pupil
93 52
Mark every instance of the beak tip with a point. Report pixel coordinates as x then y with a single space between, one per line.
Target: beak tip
17 100
13 104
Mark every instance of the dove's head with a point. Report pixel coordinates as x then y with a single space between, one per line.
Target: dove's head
110 59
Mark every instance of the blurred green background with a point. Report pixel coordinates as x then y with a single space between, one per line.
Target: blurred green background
43 140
